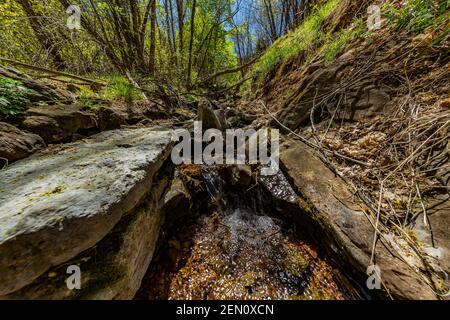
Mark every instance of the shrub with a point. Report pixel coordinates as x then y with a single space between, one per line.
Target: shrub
13 97
120 89
417 15
297 40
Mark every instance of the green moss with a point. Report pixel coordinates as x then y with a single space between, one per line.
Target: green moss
58 189
86 95
441 285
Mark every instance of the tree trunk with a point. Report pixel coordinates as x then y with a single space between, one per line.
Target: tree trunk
46 41
152 37
180 11
191 42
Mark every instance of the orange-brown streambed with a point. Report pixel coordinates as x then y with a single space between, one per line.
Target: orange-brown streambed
241 255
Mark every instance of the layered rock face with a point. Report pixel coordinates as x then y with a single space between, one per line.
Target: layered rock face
363 99
16 144
57 123
52 124
93 203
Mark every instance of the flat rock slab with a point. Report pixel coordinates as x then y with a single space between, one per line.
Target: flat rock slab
328 200
54 205
114 267
16 144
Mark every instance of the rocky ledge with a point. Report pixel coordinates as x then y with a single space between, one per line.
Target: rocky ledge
93 203
16 144
347 225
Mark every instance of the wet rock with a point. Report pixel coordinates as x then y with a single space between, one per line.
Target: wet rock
56 123
327 199
279 188
240 175
281 197
55 206
211 119
177 202
16 144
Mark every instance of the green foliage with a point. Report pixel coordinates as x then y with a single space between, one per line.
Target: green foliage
297 40
335 44
13 97
417 15
119 89
86 96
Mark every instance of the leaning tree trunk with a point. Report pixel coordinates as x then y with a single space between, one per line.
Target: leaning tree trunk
44 91
46 40
152 38
191 42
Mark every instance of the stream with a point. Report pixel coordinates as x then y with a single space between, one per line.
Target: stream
241 249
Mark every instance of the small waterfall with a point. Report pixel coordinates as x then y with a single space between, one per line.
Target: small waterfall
214 184
241 249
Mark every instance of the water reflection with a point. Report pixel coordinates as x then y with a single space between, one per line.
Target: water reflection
241 255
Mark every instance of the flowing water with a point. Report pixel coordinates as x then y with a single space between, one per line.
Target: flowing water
241 254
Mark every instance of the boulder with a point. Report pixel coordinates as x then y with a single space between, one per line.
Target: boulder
115 115
278 187
56 123
16 144
55 205
327 199
210 118
114 267
110 118
240 175
177 202
280 196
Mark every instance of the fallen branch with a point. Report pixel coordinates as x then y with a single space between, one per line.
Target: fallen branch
313 145
232 86
232 70
48 91
54 72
